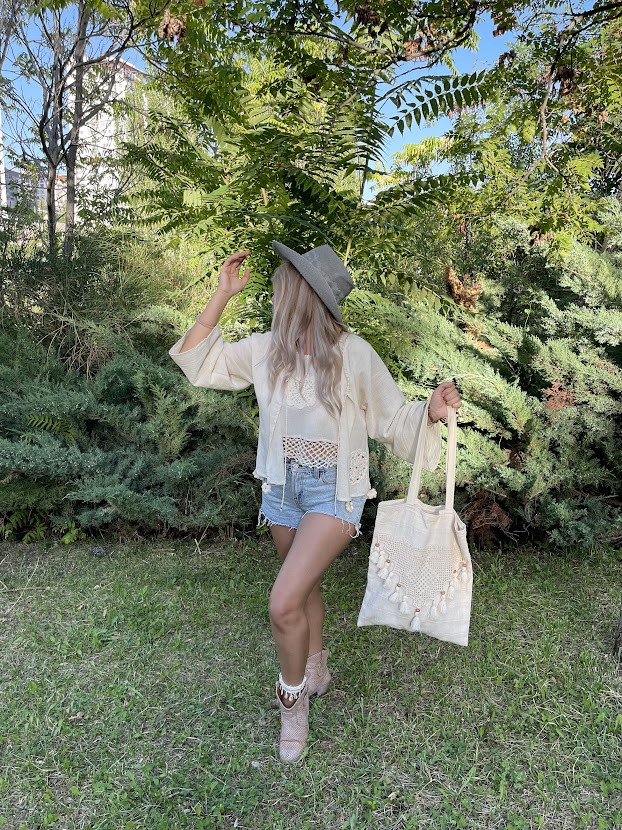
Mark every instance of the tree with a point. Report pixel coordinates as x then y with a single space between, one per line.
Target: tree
281 129
71 52
10 13
546 148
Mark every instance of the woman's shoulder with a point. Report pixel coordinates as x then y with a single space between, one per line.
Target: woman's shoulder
356 346
260 343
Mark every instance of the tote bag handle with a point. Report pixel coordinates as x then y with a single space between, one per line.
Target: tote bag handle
450 467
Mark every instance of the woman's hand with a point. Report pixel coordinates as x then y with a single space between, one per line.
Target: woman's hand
443 396
230 282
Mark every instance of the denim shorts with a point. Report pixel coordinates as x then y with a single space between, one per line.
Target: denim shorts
307 490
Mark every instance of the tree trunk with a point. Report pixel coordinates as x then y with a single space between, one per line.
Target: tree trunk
50 200
56 57
70 206
76 123
51 129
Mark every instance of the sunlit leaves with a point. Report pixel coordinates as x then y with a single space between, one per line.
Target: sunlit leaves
448 96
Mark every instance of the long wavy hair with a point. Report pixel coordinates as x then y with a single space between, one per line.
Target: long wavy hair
296 309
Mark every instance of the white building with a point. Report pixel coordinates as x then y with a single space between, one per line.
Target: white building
101 137
22 186
96 173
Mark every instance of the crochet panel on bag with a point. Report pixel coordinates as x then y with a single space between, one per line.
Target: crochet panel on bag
425 590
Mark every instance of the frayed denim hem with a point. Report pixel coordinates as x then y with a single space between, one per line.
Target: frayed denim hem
345 524
357 529
264 521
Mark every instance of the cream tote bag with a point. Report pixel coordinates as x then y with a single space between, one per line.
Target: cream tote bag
420 576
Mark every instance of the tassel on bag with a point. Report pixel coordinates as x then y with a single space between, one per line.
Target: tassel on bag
391 580
415 623
397 594
385 570
375 553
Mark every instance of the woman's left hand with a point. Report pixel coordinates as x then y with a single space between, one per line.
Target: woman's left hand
443 396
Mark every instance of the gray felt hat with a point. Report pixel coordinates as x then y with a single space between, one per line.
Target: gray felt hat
325 273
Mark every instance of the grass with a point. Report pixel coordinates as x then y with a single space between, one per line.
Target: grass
137 693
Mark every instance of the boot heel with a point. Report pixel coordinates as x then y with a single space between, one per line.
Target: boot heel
321 690
317 673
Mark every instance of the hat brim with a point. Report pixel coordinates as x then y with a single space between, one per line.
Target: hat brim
312 276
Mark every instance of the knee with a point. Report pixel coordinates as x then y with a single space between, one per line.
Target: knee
283 609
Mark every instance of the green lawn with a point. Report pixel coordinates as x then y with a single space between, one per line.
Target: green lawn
138 688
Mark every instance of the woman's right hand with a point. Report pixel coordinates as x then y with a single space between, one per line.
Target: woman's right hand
229 280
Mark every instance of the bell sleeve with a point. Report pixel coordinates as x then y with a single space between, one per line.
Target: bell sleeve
394 421
214 363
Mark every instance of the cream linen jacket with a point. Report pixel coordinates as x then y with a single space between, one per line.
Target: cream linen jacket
372 405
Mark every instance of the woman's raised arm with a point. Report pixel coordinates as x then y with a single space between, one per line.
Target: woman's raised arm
230 283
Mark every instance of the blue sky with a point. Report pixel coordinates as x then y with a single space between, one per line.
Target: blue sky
466 61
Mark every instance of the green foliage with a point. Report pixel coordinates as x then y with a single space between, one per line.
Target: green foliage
521 452
291 160
31 521
56 425
448 94
133 449
125 444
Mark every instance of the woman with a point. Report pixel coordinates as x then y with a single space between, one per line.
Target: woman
322 392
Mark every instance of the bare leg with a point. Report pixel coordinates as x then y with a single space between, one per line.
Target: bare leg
317 543
314 607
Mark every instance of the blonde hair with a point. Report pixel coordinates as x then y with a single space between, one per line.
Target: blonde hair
296 309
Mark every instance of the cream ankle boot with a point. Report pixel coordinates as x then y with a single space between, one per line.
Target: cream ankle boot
318 676
294 726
